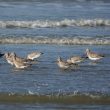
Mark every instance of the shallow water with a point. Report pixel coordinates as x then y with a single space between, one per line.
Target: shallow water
44 82
53 107
45 77
56 28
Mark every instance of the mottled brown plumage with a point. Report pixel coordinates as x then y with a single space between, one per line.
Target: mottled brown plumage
19 63
75 59
93 56
34 55
62 64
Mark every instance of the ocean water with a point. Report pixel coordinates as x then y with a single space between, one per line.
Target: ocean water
57 28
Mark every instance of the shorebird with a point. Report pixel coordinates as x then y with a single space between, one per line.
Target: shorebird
19 58
34 55
20 64
62 64
75 59
93 56
8 58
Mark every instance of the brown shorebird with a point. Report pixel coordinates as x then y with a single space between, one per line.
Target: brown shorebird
20 64
62 64
8 58
20 59
75 59
93 56
34 55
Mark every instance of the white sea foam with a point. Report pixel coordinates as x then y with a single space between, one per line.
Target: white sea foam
47 40
49 23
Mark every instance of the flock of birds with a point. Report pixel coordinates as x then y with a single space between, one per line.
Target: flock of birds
73 61
19 62
22 63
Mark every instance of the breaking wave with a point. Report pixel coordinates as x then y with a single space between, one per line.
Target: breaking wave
48 40
49 24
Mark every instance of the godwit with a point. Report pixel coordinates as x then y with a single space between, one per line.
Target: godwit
75 59
62 64
34 55
20 64
8 58
20 59
93 56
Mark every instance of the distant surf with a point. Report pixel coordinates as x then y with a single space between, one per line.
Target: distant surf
50 24
55 40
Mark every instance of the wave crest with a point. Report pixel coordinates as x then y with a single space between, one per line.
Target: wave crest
63 40
49 24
